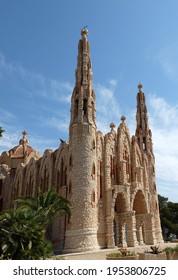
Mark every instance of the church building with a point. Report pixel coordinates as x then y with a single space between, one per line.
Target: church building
109 179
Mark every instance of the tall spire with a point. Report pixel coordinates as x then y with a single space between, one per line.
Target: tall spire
83 72
143 133
83 97
82 141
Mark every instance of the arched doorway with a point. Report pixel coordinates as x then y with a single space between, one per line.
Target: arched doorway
139 205
120 220
140 208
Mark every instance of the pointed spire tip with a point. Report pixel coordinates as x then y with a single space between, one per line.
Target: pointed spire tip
140 86
84 32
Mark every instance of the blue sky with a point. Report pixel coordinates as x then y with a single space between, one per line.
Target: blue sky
131 42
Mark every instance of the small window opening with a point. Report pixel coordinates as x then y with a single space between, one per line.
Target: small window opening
70 188
84 107
94 169
70 161
93 196
76 107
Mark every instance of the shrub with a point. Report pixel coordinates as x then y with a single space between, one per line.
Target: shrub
122 252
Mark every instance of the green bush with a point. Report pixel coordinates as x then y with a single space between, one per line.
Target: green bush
23 229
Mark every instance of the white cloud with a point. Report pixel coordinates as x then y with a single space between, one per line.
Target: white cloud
39 101
64 88
6 116
113 82
10 136
165 113
59 124
166 58
8 141
164 124
34 84
108 109
11 139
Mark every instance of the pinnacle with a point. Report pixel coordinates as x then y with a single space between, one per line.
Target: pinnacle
84 32
123 118
24 140
140 86
112 126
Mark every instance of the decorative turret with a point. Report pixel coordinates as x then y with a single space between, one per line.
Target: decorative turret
83 97
143 133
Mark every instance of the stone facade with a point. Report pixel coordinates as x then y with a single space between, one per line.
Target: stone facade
109 179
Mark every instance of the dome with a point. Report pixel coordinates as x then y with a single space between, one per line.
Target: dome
19 154
22 149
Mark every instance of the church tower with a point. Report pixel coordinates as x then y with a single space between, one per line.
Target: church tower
144 139
143 133
81 229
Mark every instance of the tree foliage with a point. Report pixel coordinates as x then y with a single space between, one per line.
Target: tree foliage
47 206
21 237
1 131
168 216
22 229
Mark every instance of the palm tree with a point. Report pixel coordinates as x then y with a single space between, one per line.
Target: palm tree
22 229
1 131
21 237
47 206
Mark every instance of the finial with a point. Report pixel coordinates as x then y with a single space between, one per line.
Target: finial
140 86
84 32
24 140
112 126
24 133
123 118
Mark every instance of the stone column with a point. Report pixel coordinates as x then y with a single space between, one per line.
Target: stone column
128 229
140 227
109 232
150 237
140 235
108 198
123 235
117 233
131 229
